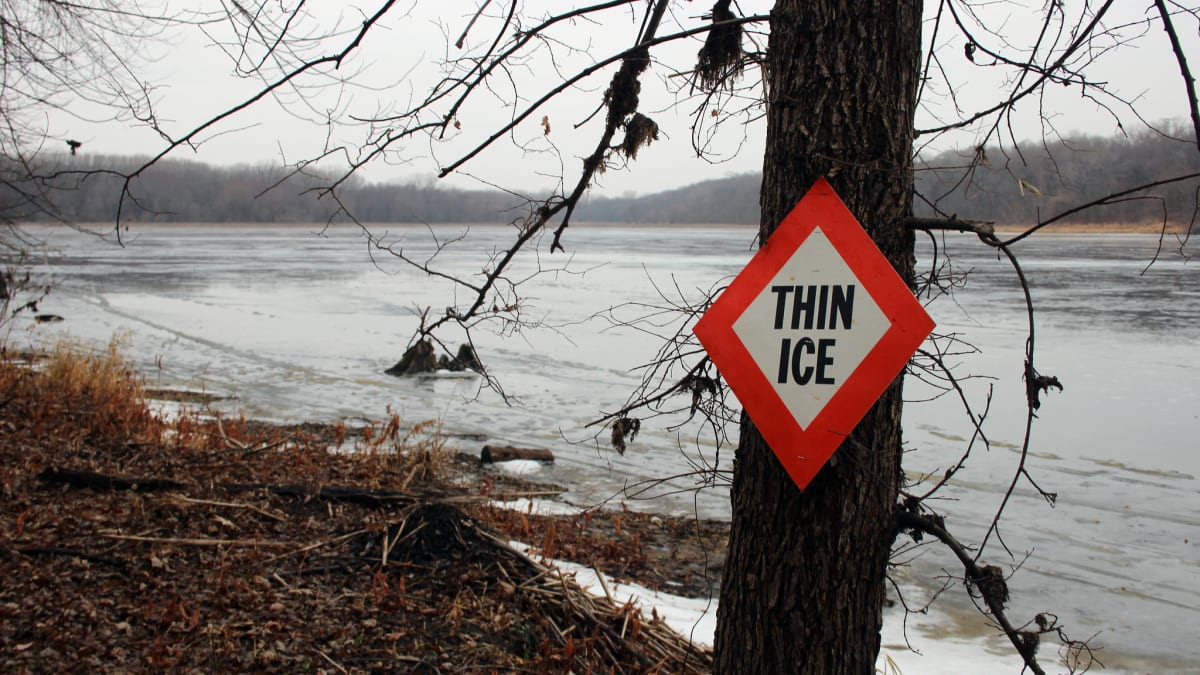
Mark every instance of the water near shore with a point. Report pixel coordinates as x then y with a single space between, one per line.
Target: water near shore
297 327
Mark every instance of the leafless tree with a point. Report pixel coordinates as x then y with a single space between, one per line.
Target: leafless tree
851 91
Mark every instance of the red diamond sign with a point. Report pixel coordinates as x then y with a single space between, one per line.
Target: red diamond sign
812 331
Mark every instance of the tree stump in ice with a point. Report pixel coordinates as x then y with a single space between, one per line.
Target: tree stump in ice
422 358
419 358
466 359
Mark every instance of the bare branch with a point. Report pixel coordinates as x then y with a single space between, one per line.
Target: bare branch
1108 199
462 38
1188 80
952 224
1044 76
988 581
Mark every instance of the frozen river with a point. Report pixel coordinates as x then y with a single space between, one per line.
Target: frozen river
297 327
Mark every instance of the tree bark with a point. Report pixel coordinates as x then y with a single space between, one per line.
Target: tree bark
804 582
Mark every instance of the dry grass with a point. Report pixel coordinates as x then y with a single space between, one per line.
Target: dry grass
96 403
96 392
417 451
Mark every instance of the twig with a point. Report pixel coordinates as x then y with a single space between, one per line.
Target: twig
333 663
99 481
603 584
463 38
229 442
509 496
1099 202
1045 74
183 541
319 544
1035 383
70 552
232 505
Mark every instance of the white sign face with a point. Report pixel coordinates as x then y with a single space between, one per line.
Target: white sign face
810 327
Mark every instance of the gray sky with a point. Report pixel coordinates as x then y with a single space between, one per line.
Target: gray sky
399 61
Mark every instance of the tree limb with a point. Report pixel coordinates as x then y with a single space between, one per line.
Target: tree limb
1188 80
952 224
984 578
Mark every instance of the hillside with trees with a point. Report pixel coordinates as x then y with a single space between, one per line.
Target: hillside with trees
723 200
1014 185
1021 185
87 189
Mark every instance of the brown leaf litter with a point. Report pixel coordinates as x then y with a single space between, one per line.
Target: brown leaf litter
129 544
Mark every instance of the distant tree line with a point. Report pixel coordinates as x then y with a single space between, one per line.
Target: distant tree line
732 200
1016 186
1028 182
87 189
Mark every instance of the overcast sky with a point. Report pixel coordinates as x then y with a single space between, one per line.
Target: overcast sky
399 61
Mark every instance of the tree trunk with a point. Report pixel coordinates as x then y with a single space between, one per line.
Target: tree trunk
804 582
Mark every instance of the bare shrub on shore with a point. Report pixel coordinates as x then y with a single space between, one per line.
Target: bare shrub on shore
413 451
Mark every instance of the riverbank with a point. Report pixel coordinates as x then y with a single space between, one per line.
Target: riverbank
140 544
1173 229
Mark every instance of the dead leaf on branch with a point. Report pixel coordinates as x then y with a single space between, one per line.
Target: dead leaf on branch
991 584
720 60
699 385
625 430
1036 384
639 131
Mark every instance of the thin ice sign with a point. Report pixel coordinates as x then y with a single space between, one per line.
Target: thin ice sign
812 331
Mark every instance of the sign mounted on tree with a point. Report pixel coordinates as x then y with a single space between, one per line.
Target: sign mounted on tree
812 331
